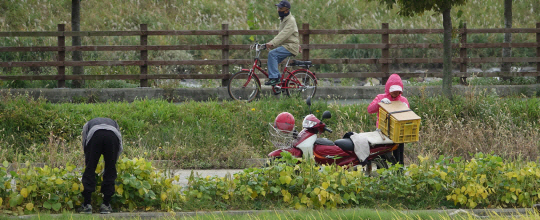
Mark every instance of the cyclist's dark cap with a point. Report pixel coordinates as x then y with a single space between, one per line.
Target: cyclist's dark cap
284 4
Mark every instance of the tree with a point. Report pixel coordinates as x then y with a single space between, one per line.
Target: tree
410 8
507 51
76 40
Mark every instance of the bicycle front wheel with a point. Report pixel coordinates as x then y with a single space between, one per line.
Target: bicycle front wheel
302 84
243 86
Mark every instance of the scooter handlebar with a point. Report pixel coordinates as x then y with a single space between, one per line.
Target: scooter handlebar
328 129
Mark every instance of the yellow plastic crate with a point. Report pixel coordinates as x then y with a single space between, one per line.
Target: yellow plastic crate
402 126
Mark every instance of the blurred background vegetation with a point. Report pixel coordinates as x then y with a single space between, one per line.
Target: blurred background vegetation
124 15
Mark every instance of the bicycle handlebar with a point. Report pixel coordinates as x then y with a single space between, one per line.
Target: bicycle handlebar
259 46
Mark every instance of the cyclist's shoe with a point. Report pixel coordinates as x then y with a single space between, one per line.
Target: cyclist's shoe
105 209
271 82
85 209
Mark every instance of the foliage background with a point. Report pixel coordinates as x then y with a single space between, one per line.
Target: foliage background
36 15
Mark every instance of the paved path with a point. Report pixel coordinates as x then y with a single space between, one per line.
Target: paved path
184 174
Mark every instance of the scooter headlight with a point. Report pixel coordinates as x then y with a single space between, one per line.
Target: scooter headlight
308 124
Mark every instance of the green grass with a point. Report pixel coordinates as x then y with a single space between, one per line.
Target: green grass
209 15
352 214
222 134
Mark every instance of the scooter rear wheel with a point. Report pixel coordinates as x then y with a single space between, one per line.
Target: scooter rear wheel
380 162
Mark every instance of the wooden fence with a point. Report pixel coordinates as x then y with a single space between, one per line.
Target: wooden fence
384 61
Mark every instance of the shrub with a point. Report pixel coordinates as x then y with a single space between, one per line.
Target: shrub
139 186
450 182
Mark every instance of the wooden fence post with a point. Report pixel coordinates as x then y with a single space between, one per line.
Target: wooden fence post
537 51
62 56
385 67
305 40
225 54
144 55
463 55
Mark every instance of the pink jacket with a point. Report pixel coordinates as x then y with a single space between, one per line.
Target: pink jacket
394 79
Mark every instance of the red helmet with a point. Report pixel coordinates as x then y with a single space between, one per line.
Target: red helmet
284 122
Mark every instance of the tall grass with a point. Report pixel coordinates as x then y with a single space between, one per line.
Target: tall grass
223 134
36 15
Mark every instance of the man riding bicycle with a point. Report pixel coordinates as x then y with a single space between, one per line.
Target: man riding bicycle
286 41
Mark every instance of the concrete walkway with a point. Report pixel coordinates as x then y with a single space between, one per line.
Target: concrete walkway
184 174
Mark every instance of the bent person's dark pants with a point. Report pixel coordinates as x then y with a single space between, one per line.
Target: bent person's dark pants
398 154
105 143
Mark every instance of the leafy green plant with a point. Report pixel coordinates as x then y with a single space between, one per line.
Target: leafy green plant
485 181
40 189
451 182
142 186
139 186
5 182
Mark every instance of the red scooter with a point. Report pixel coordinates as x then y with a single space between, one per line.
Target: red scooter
341 152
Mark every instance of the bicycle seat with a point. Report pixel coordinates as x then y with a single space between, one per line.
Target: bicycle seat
300 63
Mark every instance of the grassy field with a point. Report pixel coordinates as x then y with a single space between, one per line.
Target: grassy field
222 134
36 15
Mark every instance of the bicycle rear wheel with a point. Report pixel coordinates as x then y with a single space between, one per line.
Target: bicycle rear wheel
243 86
302 84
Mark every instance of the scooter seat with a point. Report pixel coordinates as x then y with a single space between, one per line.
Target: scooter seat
345 144
324 141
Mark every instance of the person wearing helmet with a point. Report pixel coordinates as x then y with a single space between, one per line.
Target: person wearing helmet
286 42
393 92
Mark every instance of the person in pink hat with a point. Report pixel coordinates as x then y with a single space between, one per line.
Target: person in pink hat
393 92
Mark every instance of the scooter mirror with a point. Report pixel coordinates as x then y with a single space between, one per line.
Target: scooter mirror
326 114
308 101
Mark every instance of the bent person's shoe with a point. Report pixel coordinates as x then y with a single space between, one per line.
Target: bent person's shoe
105 209
271 82
85 209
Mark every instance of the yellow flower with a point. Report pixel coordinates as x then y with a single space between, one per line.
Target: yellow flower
317 111
253 109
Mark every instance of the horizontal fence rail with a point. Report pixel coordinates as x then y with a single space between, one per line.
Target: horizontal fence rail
258 32
384 61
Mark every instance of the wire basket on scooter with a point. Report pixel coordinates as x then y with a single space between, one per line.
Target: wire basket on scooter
281 138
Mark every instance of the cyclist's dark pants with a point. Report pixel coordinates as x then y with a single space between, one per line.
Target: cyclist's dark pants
104 143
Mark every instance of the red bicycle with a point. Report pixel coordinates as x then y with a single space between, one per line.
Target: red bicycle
245 85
